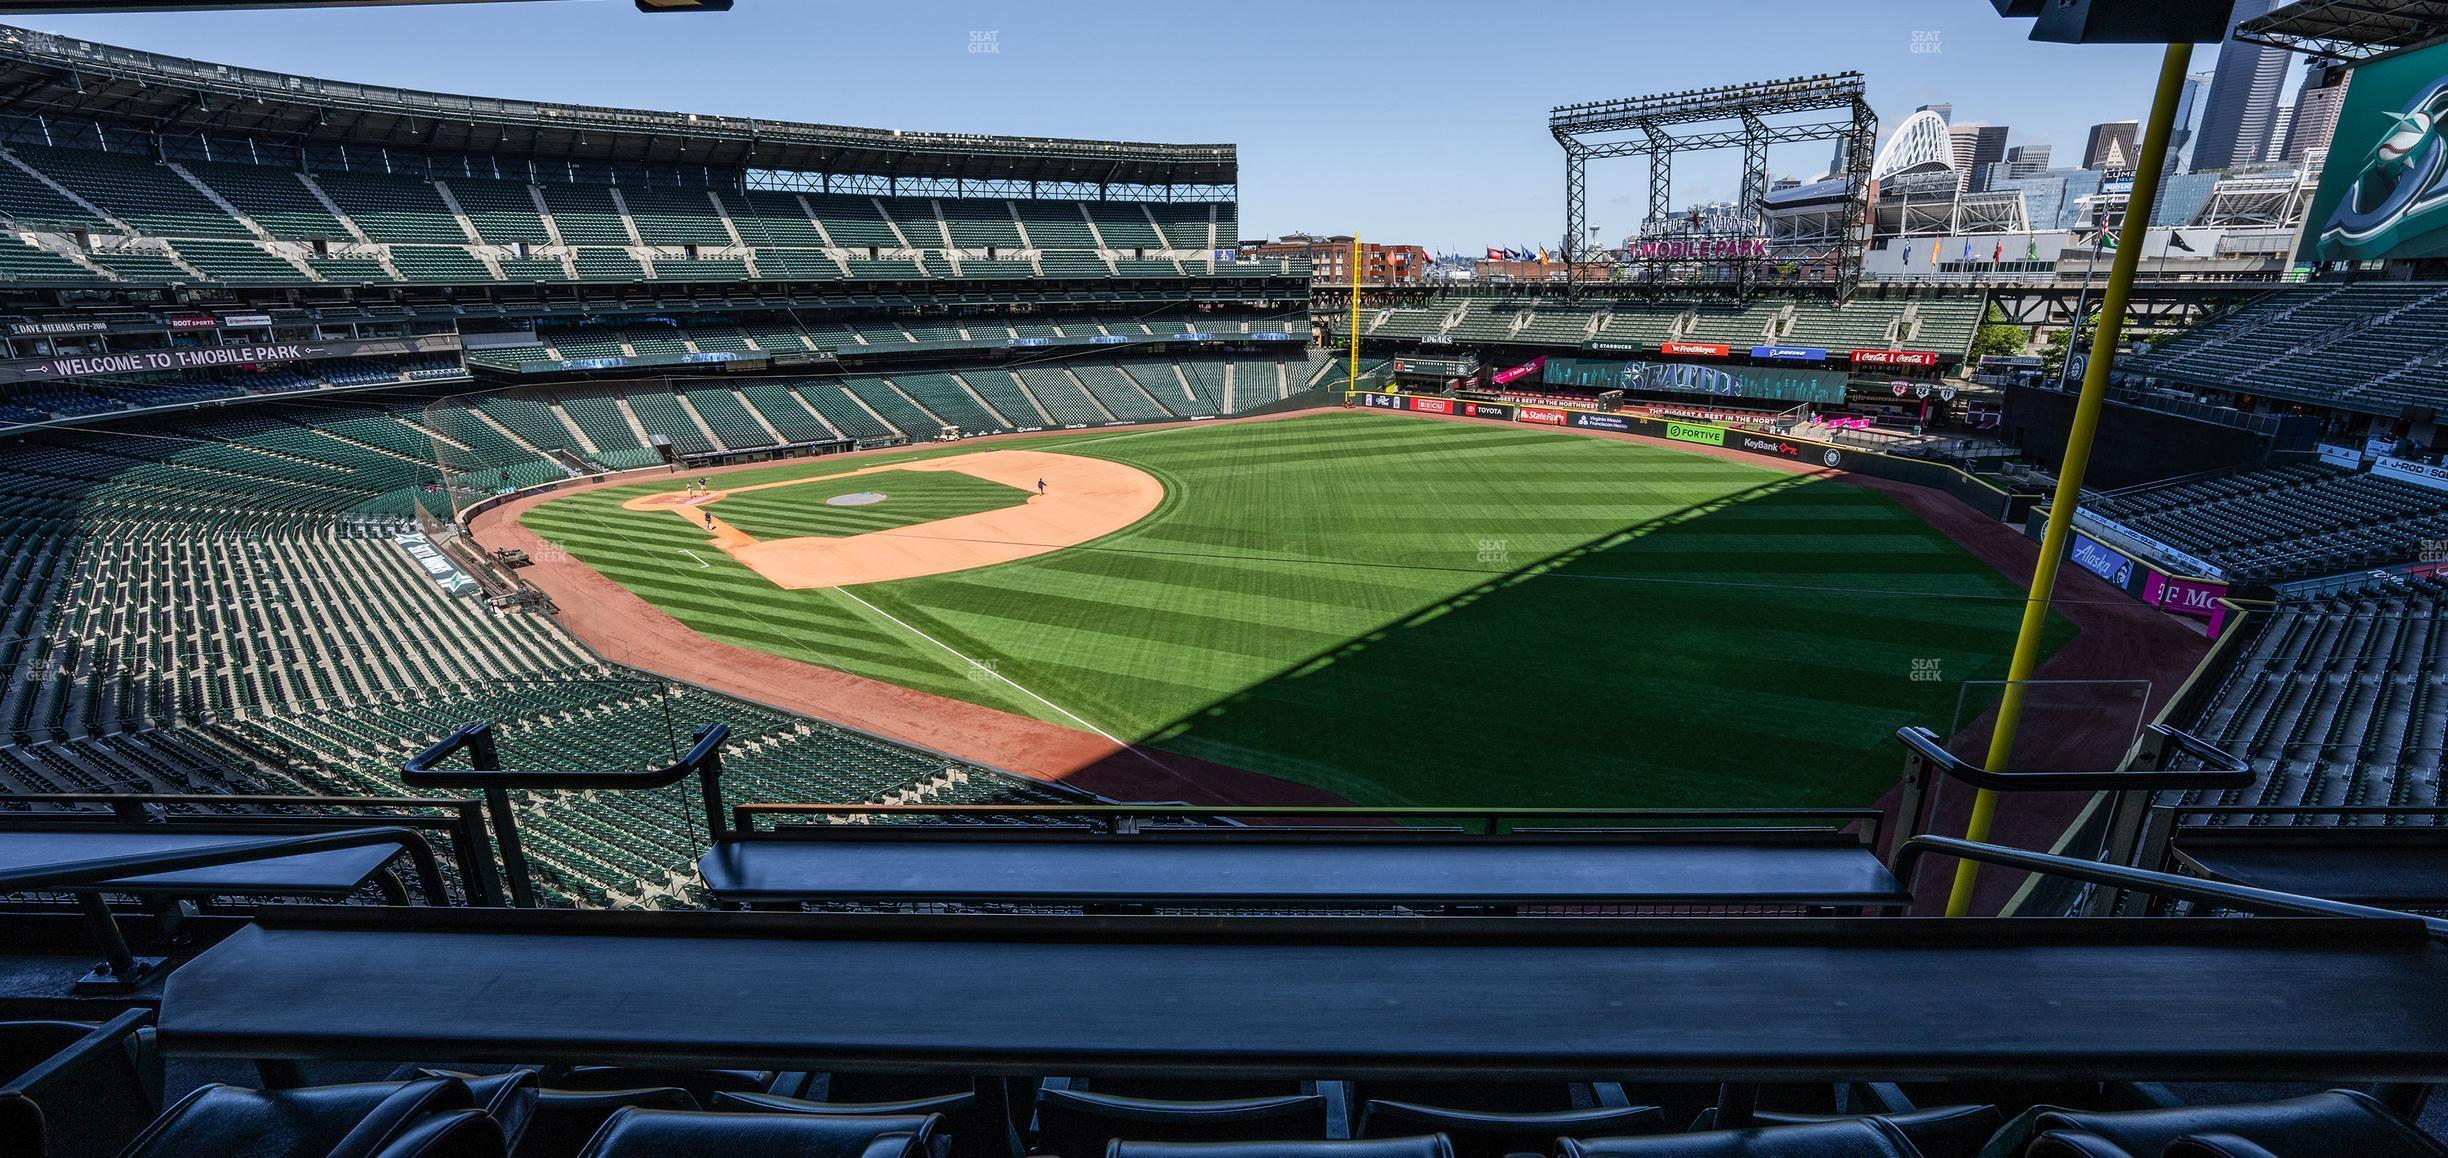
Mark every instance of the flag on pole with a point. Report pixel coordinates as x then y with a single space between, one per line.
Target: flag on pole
1908 253
2031 249
1495 254
1999 254
2177 241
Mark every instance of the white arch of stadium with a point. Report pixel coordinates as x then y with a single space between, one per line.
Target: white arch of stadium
1921 140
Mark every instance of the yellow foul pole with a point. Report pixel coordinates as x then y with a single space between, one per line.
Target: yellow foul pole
1351 371
2130 236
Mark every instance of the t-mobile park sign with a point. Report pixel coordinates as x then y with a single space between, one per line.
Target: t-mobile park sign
1697 249
69 367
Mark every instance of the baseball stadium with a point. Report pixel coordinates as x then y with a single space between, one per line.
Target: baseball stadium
542 629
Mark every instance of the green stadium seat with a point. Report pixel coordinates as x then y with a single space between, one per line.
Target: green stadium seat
392 207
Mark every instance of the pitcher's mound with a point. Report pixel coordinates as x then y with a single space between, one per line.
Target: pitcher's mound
859 499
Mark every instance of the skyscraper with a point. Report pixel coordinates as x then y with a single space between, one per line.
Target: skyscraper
2316 114
2187 130
2111 145
2244 92
1975 145
2026 161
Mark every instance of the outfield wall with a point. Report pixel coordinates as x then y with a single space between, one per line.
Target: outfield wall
2129 571
1965 488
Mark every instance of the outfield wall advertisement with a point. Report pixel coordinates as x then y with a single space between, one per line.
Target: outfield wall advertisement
1690 432
2185 595
2384 188
1774 383
1971 491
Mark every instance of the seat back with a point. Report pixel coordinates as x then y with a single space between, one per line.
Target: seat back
449 1134
636 1133
2339 1122
1483 1134
701 1084
1847 1138
565 1119
975 1130
2217 1145
355 1120
1082 1121
509 1098
79 1090
1937 1132
1492 1097
1430 1146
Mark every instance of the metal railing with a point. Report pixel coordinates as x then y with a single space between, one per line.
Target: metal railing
88 879
485 774
1927 762
2239 898
1122 819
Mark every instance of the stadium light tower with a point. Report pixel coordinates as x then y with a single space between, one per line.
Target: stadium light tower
1749 117
2178 24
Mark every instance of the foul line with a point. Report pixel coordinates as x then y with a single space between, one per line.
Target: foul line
976 666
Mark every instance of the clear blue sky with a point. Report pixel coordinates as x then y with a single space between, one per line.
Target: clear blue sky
1406 120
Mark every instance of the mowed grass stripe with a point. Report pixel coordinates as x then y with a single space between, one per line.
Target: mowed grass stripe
910 497
1408 611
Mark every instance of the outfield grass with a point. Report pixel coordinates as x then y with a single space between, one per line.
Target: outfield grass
910 497
1408 611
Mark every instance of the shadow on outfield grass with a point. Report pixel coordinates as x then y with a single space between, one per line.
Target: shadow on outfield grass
1734 653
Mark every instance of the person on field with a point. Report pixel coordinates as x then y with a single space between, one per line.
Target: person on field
709 520
1041 487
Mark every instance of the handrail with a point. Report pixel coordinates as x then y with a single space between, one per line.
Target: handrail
97 873
121 970
485 773
744 815
465 825
485 770
2228 896
2225 772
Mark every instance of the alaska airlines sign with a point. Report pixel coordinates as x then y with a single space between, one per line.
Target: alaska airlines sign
70 367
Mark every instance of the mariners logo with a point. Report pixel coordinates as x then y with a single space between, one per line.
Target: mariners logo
2401 192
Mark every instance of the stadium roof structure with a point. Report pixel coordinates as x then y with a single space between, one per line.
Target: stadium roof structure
44 73
2348 29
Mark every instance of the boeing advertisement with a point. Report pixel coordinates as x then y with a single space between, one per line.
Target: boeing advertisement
2384 190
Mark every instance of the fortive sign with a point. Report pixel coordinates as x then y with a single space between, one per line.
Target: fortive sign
1790 353
1695 349
1894 358
1685 432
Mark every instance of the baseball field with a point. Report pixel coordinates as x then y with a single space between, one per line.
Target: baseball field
1395 609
